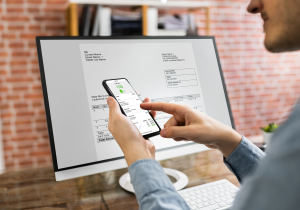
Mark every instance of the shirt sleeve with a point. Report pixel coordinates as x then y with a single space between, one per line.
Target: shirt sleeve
244 159
153 188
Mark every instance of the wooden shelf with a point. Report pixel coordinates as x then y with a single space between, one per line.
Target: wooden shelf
151 3
145 4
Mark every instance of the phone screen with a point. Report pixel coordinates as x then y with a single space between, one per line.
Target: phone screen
130 103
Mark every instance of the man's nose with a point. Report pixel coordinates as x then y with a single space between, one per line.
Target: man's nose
255 6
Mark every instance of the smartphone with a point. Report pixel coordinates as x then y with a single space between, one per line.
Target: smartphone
129 102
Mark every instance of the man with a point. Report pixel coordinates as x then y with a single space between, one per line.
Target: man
271 183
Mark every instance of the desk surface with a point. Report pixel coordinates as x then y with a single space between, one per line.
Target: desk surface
36 188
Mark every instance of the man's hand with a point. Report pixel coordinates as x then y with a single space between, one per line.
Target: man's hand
191 125
129 138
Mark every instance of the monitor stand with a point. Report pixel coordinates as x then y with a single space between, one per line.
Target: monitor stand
181 180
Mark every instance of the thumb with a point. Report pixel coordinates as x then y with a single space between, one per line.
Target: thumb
114 108
176 132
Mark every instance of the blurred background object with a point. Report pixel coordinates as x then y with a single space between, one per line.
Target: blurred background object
262 87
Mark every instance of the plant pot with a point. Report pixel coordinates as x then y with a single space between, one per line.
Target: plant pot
267 138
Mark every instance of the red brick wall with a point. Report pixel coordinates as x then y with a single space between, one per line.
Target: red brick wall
24 128
262 86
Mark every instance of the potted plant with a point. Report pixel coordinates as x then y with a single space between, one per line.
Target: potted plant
268 132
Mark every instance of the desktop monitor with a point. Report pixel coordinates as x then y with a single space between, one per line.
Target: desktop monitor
184 70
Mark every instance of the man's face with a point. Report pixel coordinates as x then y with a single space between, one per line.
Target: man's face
281 23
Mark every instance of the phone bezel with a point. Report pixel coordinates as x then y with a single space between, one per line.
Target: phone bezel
110 93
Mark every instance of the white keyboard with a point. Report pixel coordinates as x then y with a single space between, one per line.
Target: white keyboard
215 195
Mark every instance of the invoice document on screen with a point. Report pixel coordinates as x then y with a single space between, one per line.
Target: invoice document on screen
163 72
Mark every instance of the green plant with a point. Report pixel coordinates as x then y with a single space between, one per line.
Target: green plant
270 128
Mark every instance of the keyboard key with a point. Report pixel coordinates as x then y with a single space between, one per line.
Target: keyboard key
192 203
205 204
212 207
210 197
211 202
222 204
229 202
191 193
188 191
198 192
185 195
204 199
203 190
193 207
204 194
187 199
193 198
228 197
200 205
216 196
218 200
221 194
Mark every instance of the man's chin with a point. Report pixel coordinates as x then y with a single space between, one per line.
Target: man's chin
272 46
278 45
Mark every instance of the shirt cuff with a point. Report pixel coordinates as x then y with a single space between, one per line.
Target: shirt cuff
244 159
147 176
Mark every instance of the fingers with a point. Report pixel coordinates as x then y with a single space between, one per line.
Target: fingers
176 132
114 108
152 112
146 100
171 122
162 106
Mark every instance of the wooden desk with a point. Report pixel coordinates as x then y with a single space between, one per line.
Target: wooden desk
37 189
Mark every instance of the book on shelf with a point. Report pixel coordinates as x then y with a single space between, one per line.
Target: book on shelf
96 25
118 14
105 22
126 22
152 21
84 28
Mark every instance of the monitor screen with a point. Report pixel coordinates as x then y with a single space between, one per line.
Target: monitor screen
173 70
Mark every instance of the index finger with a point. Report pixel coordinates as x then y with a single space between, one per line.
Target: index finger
153 113
161 106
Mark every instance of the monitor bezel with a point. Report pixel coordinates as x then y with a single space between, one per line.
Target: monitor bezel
45 93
